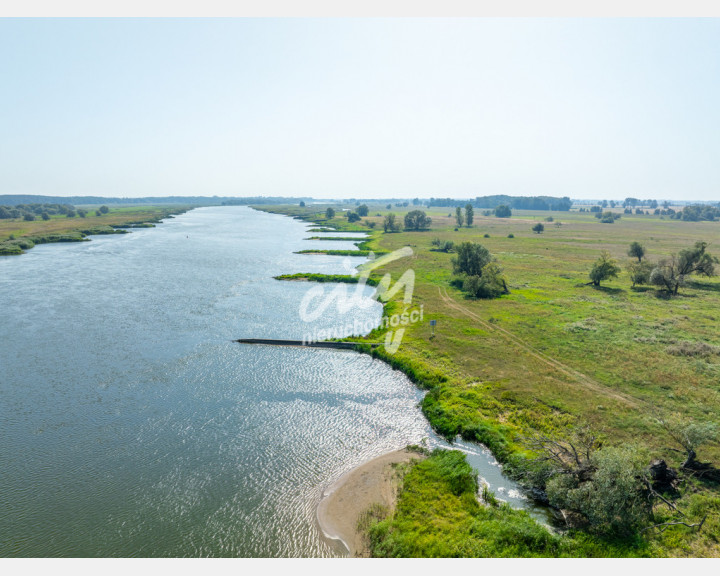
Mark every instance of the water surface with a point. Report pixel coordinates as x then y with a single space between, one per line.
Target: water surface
132 425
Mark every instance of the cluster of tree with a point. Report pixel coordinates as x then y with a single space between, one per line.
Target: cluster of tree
610 490
633 202
208 201
414 220
467 218
32 211
669 273
390 223
607 217
514 202
477 272
690 213
697 212
417 220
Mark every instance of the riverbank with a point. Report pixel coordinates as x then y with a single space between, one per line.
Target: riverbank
372 483
554 355
18 235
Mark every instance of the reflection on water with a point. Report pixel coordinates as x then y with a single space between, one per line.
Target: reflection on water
131 425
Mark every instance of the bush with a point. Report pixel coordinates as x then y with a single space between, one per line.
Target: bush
511 235
538 228
471 259
503 211
443 246
640 272
489 284
603 269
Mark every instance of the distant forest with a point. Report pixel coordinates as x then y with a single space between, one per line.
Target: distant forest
15 199
517 202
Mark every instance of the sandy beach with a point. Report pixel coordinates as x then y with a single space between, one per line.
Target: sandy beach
343 502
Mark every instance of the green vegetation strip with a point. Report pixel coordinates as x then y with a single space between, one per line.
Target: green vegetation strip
339 278
365 253
338 238
438 515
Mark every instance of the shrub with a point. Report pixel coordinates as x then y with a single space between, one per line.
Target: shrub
443 246
503 211
489 284
538 228
604 269
471 259
640 272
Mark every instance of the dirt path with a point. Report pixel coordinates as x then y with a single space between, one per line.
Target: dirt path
579 377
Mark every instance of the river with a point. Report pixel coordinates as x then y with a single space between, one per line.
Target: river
132 425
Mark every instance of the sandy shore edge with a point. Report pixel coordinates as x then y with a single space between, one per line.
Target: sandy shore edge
343 502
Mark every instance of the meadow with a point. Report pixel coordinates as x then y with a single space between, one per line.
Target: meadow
17 235
557 353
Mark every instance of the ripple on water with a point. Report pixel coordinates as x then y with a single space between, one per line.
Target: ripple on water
133 426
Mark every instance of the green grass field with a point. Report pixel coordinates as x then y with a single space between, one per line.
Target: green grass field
556 352
18 234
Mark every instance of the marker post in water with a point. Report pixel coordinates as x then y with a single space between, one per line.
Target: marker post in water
433 323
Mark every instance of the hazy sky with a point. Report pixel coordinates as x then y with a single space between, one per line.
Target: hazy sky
361 108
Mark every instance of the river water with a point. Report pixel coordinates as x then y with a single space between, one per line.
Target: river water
132 425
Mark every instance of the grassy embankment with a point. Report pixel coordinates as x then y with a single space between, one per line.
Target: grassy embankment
17 235
556 352
438 515
312 277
